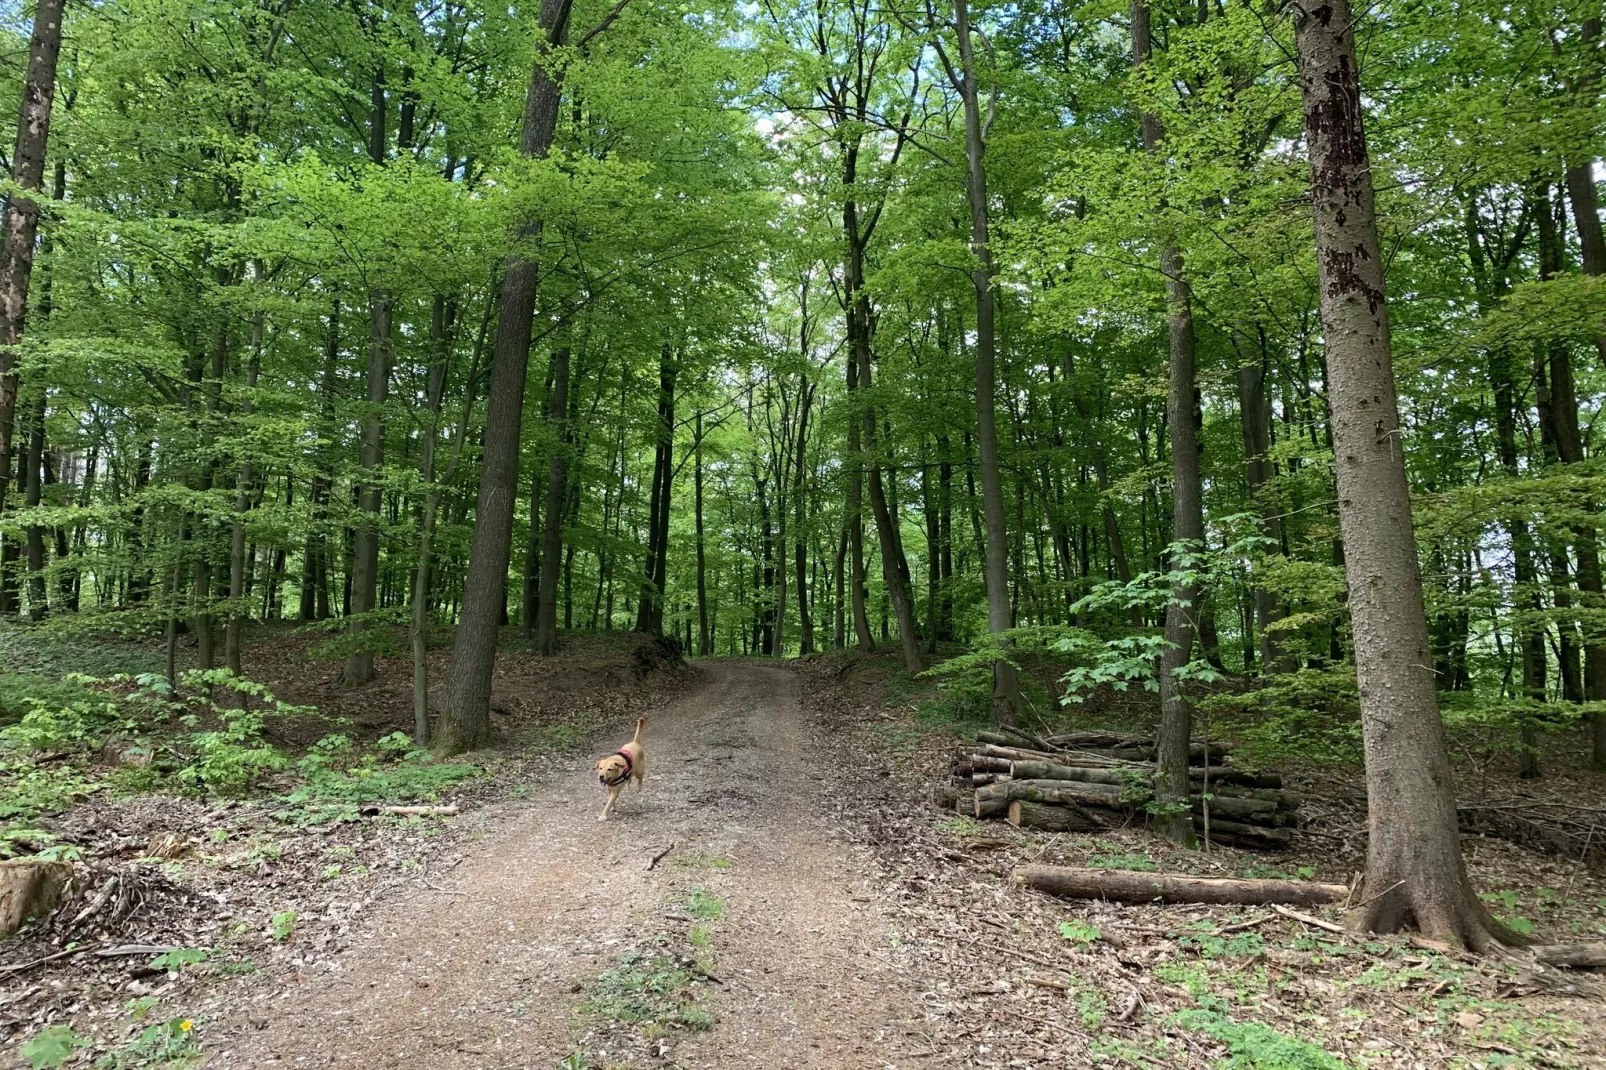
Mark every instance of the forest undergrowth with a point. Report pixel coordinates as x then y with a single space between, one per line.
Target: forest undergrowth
210 835
1013 977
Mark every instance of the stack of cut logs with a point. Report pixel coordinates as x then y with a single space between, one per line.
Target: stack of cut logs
1084 781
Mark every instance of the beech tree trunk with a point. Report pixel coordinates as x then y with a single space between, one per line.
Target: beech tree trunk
557 485
1187 507
22 212
856 594
441 336
1414 871
1255 414
705 639
1000 616
465 715
799 498
650 618
232 634
359 667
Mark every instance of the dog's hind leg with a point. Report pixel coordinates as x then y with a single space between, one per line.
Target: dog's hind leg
641 772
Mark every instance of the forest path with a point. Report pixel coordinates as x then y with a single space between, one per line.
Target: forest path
493 966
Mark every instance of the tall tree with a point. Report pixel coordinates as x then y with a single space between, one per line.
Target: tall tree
465 716
1414 870
21 226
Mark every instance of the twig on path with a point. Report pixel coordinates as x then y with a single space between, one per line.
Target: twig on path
1250 924
21 966
437 888
1309 920
659 857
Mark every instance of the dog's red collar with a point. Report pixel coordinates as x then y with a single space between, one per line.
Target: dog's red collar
629 767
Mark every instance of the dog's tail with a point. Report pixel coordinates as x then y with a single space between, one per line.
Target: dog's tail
641 723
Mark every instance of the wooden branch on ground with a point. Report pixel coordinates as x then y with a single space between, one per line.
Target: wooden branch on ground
1130 887
410 811
1572 956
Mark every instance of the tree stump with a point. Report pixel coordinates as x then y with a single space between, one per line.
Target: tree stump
30 889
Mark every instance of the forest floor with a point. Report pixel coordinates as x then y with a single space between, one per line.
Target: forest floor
781 895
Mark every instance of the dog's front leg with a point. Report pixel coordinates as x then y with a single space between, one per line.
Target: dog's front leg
613 797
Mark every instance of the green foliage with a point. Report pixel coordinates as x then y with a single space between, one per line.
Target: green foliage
1078 931
704 904
1121 860
1254 1046
649 988
1312 714
283 925
179 958
170 1044
337 778
53 1046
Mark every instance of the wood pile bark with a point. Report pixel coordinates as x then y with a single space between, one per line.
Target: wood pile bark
1082 781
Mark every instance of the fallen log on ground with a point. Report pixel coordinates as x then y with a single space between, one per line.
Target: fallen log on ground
409 811
1573 956
1129 887
1029 815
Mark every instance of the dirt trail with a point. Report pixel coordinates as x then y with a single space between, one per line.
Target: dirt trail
490 967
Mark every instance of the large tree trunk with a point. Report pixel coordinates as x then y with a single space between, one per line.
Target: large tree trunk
1581 192
856 594
465 716
705 638
894 565
32 486
1000 618
441 322
242 505
1414 872
650 618
799 501
557 489
359 668
1566 441
22 212
1255 413
1187 509
314 572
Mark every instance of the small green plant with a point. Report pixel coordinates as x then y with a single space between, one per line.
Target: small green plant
961 826
1253 1046
1079 932
179 957
53 1046
700 936
1122 860
650 988
705 905
170 1044
284 925
1231 946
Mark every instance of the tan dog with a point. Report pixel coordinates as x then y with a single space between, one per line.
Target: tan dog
614 771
